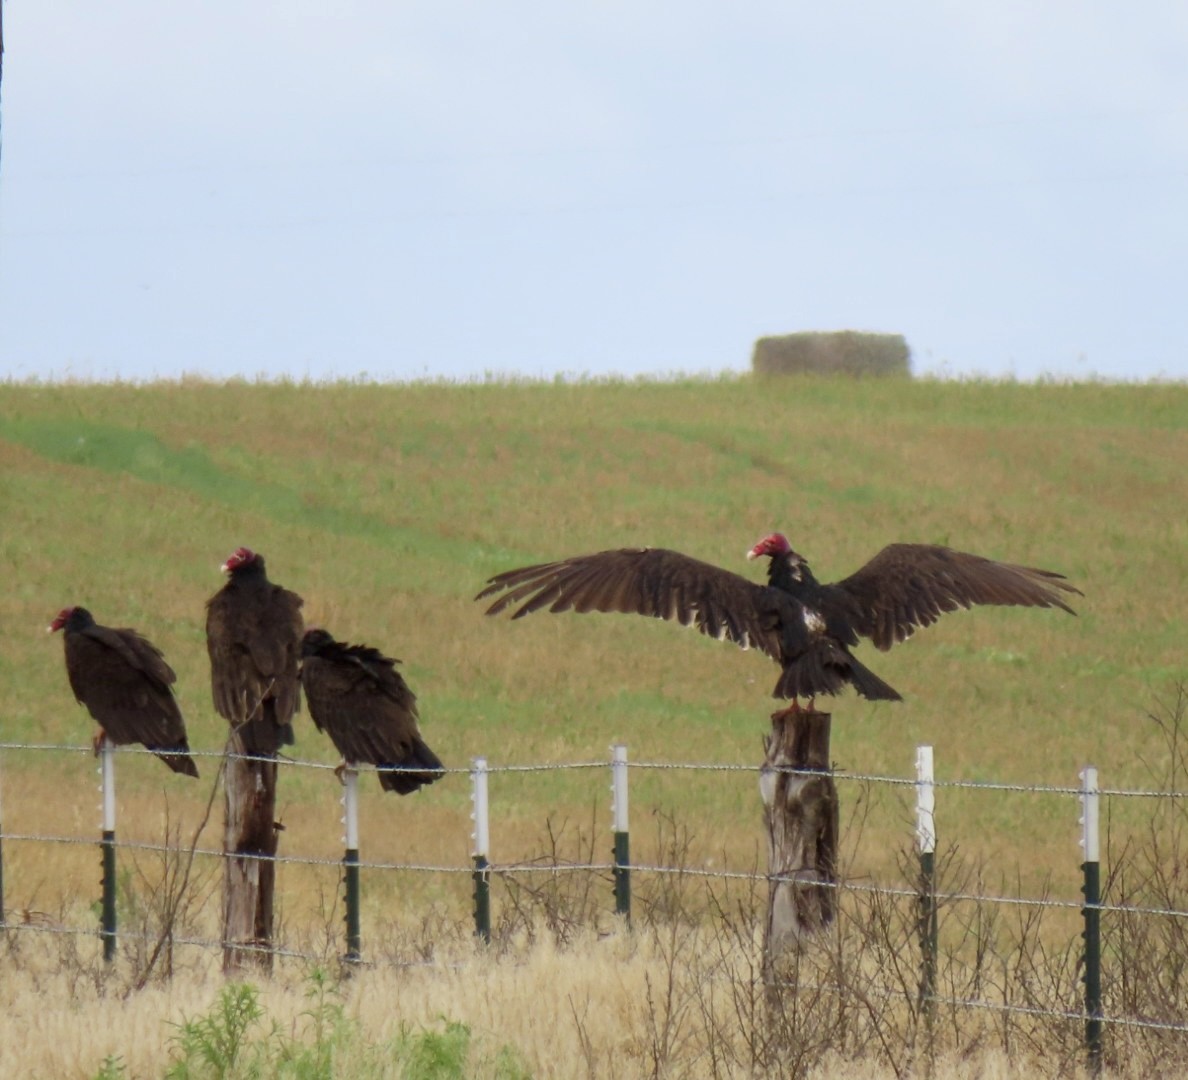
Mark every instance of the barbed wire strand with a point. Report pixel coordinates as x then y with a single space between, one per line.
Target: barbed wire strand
657 766
512 869
532 867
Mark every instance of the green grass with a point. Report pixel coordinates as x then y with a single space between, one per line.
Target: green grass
387 507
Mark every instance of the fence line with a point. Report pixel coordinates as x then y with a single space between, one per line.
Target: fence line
483 870
656 766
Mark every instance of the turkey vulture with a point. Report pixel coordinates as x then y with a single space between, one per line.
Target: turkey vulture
806 627
253 635
124 682
356 695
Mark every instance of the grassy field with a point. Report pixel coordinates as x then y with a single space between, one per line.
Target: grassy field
387 507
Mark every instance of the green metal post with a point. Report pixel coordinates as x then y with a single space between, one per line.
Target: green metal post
350 877
350 864
622 865
1091 869
108 918
482 844
482 899
926 842
928 931
623 876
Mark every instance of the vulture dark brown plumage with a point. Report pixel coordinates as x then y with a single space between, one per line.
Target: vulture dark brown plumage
126 685
253 636
357 697
806 627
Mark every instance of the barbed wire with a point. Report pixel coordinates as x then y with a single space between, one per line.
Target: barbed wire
535 867
656 766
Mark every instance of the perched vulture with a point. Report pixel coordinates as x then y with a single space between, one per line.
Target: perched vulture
253 635
806 627
356 695
124 682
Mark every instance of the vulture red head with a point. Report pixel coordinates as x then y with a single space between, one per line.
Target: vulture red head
241 557
60 620
773 545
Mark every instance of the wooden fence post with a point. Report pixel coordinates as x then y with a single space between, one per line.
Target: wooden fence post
249 864
801 814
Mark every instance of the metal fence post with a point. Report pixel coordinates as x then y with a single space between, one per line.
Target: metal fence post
622 842
926 842
350 862
1091 867
481 837
107 787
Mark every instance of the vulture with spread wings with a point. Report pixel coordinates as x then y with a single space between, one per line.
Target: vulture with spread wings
808 628
356 695
124 682
253 636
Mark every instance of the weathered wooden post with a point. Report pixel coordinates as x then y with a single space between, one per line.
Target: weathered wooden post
801 814
249 844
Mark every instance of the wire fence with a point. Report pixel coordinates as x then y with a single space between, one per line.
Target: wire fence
484 871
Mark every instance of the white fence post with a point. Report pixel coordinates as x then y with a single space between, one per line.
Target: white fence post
622 850
1091 867
350 870
107 787
926 842
482 847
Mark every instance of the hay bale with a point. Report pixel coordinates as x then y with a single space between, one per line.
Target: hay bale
842 352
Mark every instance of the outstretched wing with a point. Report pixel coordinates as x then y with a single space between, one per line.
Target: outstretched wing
906 586
647 581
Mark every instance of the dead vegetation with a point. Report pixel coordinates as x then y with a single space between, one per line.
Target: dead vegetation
567 986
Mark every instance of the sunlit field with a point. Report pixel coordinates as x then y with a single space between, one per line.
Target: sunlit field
387 507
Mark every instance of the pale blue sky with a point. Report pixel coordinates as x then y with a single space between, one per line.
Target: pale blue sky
448 189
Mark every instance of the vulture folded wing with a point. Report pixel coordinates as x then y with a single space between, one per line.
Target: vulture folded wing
144 655
364 721
644 581
907 586
254 654
130 704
